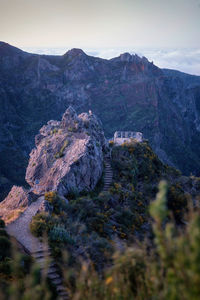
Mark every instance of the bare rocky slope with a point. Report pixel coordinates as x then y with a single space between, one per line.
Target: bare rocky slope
126 93
68 158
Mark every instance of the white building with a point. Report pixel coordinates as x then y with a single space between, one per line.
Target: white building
121 137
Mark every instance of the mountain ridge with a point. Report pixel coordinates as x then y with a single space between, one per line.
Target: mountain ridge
126 93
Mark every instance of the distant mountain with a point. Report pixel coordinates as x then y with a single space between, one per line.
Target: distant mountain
127 93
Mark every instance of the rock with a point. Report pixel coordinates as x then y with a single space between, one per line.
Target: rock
68 155
15 203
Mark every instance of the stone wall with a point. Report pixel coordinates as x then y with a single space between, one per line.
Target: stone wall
121 137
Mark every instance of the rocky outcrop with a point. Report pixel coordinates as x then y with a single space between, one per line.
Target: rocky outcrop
68 155
68 158
127 93
15 203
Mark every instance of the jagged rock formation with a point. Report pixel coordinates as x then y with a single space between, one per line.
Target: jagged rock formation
68 158
15 203
68 155
127 93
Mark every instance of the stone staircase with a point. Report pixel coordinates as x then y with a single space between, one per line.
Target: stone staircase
44 260
20 230
108 175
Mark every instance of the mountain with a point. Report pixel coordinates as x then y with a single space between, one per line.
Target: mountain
126 93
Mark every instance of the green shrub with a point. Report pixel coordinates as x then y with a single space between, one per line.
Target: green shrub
5 247
60 234
57 202
61 152
5 266
40 224
3 233
51 197
168 269
2 223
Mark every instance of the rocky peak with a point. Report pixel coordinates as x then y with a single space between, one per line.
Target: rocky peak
68 157
133 64
75 52
8 50
69 118
127 57
68 154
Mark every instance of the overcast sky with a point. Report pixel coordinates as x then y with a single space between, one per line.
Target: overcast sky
100 23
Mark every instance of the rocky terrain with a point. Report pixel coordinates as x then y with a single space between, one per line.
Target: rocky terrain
126 93
68 159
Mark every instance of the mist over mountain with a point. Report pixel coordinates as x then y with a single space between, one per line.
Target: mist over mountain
127 93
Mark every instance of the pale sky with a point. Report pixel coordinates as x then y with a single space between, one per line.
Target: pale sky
102 23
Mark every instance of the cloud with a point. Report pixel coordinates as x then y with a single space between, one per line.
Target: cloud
184 60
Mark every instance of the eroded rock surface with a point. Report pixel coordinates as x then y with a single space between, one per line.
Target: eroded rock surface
68 155
15 203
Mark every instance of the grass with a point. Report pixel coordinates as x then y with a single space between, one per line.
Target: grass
61 152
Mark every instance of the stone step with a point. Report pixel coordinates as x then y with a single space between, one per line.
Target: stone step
53 275
42 259
64 296
56 281
60 288
39 251
51 265
52 270
41 255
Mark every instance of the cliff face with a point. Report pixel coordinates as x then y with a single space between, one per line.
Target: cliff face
127 93
68 158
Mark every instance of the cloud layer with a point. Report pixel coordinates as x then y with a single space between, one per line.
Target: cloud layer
184 60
